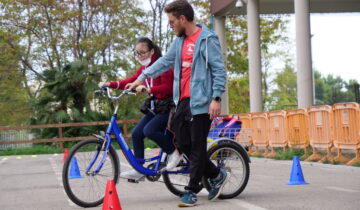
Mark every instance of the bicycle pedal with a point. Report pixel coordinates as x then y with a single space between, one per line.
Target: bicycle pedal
133 181
141 179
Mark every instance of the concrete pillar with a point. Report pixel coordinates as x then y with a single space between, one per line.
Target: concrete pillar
219 27
253 24
305 87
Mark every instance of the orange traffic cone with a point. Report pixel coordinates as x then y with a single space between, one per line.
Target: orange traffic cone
66 152
111 199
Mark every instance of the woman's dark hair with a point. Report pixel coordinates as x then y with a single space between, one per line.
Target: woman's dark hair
150 44
180 7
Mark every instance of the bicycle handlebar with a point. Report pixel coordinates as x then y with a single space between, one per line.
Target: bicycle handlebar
106 90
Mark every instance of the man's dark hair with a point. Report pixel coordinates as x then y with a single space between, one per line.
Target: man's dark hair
180 7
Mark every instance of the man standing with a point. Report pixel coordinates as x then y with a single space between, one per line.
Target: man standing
199 81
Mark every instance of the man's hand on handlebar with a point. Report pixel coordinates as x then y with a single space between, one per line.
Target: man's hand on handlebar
133 85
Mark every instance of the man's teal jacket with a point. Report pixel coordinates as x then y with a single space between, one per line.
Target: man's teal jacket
208 75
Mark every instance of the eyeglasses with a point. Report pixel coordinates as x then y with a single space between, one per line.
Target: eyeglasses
140 53
172 22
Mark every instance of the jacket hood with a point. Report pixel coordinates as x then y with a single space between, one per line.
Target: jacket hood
206 32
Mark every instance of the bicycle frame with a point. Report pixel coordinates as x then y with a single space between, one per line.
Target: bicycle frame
134 162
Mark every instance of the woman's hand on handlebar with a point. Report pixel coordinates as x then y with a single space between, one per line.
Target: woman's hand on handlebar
127 86
103 84
142 89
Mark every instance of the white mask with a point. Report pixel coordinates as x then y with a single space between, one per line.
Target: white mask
144 62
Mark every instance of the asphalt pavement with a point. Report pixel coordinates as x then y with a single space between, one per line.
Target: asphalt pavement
34 182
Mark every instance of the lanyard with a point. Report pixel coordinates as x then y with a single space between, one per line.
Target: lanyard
149 85
152 105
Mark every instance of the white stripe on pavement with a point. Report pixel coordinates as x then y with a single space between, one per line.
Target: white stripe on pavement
236 202
245 204
58 175
342 189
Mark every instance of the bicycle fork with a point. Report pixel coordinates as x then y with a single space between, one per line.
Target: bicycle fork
105 148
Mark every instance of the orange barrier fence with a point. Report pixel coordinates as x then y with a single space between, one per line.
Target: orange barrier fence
297 129
320 131
323 127
347 130
259 123
277 131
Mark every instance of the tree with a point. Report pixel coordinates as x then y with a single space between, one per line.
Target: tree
239 94
161 37
354 90
67 96
67 47
330 89
14 108
54 33
320 88
284 95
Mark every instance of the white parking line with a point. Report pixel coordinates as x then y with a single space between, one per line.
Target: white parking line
245 204
2 161
58 174
342 189
236 202
239 203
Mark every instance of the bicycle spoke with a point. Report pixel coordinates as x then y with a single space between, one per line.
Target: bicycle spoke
229 157
89 190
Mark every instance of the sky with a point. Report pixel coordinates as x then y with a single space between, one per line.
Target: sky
335 44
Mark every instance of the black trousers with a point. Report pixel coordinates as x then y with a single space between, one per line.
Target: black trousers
191 133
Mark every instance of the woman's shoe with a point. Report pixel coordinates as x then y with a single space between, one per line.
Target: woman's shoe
173 160
133 175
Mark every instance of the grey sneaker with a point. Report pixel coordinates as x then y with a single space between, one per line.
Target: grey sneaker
217 184
133 175
188 199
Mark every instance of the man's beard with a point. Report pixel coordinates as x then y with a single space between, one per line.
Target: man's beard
181 32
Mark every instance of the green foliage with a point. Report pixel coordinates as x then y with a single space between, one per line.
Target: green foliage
284 95
331 90
61 50
256 155
14 109
238 89
150 144
357 164
44 149
38 149
54 33
67 96
289 154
